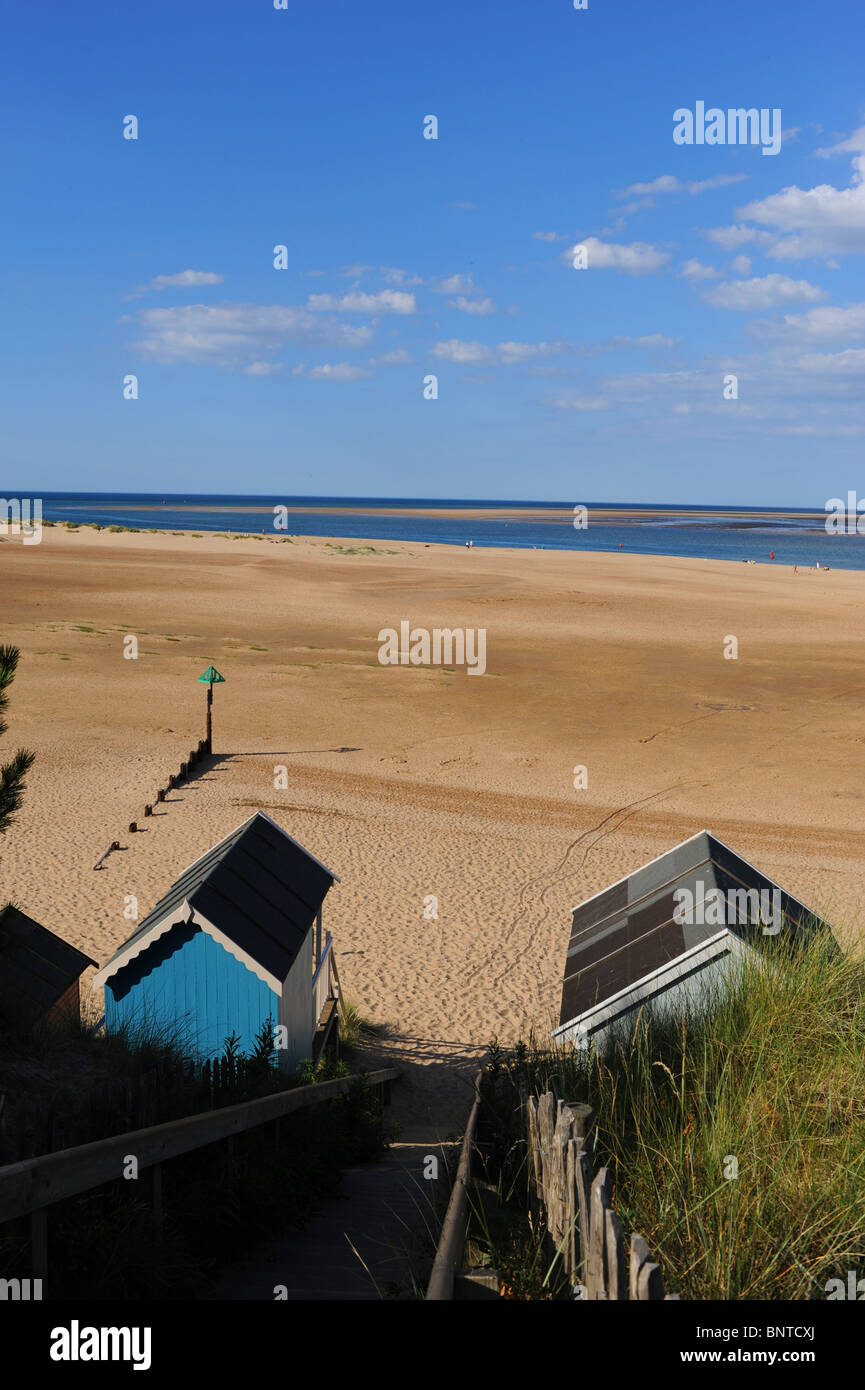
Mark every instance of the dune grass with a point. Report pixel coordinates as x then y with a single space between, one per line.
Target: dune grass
354 1026
736 1137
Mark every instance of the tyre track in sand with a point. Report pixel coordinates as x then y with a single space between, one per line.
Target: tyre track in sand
550 879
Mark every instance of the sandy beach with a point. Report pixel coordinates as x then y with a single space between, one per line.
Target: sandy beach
415 781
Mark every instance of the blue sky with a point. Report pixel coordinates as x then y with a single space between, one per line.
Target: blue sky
409 257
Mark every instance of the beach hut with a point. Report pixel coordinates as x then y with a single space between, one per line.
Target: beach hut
39 972
236 941
669 933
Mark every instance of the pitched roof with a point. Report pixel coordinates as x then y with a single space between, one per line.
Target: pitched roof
34 963
629 930
257 892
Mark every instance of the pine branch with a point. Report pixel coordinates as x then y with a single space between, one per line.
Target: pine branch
8 664
12 786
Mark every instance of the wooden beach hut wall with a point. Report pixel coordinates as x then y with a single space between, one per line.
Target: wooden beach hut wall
671 933
233 943
39 972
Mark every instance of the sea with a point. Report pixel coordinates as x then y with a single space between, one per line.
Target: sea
783 535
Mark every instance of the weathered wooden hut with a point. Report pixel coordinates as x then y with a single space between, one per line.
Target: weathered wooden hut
670 932
235 942
39 972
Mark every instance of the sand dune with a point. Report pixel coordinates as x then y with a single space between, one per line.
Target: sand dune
410 782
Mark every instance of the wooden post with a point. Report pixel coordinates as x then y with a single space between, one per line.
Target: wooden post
583 1174
572 1216
616 1288
534 1145
639 1256
600 1203
650 1285
209 738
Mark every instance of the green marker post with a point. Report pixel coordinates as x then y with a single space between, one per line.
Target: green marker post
210 677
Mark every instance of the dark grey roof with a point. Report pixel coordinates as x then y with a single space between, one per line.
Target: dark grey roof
34 963
629 930
258 887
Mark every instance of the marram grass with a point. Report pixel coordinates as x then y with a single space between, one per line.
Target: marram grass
736 1137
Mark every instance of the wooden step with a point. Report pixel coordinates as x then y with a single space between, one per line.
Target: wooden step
325 1027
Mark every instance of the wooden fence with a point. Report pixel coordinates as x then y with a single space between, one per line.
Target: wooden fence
168 1089
582 1225
32 1186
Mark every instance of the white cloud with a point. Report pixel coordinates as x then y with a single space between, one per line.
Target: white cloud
637 258
184 279
356 302
472 306
506 354
263 368
718 181
851 144
665 183
464 207
826 324
524 352
455 350
336 371
453 284
580 403
394 276
390 359
228 334
821 221
851 360
648 340
695 270
741 265
732 237
545 236
668 183
762 292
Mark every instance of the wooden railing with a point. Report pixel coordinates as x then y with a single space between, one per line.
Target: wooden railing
323 981
449 1255
35 1184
